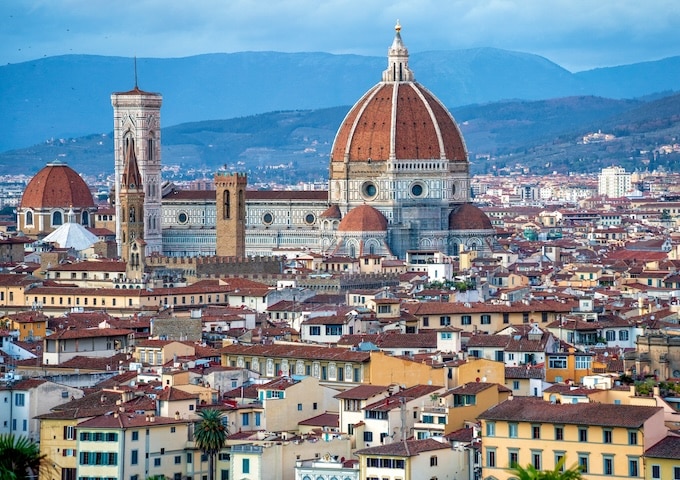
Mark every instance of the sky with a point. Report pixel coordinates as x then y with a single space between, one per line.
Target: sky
576 34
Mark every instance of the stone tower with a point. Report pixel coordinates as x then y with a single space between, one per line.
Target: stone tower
131 216
136 117
230 191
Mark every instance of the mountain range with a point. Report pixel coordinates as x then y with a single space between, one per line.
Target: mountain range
505 102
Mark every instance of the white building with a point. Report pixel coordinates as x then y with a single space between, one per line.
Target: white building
614 182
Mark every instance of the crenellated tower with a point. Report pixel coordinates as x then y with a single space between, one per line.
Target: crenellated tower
136 117
230 191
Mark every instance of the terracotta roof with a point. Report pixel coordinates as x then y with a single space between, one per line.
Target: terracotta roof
171 394
128 420
394 401
362 392
323 420
363 218
408 448
528 409
332 212
57 185
669 448
473 388
293 351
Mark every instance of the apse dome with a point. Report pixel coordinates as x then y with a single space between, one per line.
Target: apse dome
363 218
469 217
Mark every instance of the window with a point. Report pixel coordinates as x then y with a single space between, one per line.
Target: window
515 384
433 461
535 431
445 321
368 436
583 462
512 430
156 462
607 436
69 432
583 435
178 459
490 429
633 467
426 321
134 457
245 465
676 473
610 335
245 419
536 459
315 330
506 317
491 457
632 438
466 320
486 319
608 465
513 457
656 472
559 433
19 399
583 362
299 407
557 362
623 335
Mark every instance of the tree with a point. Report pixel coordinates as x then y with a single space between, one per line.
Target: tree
211 435
20 458
559 473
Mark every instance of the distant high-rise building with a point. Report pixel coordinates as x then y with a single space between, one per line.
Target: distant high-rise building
614 182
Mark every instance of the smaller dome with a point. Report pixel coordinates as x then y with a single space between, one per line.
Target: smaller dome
332 212
57 186
363 218
469 217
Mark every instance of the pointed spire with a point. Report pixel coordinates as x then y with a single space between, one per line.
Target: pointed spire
130 178
397 60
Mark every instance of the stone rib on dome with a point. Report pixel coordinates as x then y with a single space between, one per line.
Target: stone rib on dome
469 217
57 186
363 218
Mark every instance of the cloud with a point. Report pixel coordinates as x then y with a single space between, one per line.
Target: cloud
576 34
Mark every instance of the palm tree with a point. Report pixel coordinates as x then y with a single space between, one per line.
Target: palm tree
559 473
20 458
211 435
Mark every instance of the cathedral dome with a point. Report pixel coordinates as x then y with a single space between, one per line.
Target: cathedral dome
363 218
57 185
398 119
469 217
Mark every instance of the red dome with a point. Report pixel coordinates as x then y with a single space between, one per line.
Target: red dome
400 120
469 217
363 218
57 186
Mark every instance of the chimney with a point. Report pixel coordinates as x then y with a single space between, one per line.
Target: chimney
177 415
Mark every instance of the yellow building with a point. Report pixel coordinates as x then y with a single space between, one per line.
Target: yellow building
605 440
663 459
333 366
569 366
30 325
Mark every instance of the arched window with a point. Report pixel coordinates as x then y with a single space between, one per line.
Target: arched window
57 219
352 250
241 204
227 205
29 218
132 215
149 146
85 217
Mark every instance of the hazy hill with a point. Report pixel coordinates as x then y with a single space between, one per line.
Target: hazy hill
69 96
543 136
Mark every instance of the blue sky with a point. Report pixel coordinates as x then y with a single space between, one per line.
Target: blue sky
576 34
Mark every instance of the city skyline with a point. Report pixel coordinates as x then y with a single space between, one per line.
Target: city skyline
575 35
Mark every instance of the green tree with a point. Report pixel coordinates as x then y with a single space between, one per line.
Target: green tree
211 435
559 473
20 458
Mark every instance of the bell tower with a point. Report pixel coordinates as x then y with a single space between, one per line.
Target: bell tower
136 118
132 242
230 191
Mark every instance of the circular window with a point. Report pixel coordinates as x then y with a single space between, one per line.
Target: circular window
369 190
310 218
268 218
182 217
417 189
